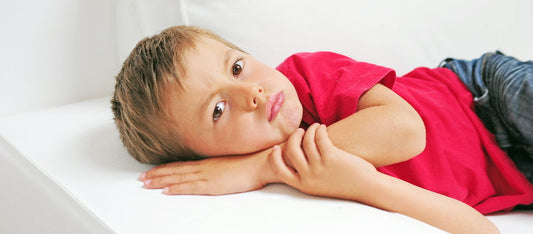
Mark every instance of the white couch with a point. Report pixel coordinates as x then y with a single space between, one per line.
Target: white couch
64 170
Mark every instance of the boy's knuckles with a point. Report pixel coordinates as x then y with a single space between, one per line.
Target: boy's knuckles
193 187
162 181
175 170
185 188
308 143
180 177
171 170
293 143
296 137
151 174
289 152
168 180
160 172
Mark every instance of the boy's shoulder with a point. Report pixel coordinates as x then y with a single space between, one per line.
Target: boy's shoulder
315 56
305 62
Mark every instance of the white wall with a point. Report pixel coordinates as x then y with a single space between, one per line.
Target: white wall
55 52
399 34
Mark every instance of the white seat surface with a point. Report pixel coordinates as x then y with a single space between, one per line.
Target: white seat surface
74 162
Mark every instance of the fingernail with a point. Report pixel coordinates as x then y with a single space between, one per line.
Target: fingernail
143 176
165 190
147 182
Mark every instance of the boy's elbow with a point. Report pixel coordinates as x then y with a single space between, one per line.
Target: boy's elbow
418 141
415 137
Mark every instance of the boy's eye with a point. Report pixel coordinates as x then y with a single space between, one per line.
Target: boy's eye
219 109
237 68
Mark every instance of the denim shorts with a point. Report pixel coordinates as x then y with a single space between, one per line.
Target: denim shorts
502 87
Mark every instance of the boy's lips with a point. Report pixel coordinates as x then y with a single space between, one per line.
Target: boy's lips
274 105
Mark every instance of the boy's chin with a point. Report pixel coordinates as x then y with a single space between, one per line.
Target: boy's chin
293 119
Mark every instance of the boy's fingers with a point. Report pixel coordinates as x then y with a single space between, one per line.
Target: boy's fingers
164 181
293 150
309 144
170 169
190 188
280 169
322 140
177 164
166 165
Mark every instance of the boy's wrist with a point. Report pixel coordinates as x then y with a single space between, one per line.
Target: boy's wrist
265 174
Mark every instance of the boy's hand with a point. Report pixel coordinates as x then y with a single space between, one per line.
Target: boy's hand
212 176
319 168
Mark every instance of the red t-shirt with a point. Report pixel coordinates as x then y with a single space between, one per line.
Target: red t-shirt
461 160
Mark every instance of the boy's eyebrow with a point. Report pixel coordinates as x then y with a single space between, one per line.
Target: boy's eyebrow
227 57
206 101
205 104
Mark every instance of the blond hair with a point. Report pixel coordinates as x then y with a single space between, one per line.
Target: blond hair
156 64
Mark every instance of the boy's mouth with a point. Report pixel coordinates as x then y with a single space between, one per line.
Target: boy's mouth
274 104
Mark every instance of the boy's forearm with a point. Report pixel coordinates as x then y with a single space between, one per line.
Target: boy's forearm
448 214
380 135
385 130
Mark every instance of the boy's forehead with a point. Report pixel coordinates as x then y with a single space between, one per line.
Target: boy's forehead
204 58
207 41
201 62
208 55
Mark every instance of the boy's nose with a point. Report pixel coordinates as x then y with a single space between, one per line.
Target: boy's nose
249 94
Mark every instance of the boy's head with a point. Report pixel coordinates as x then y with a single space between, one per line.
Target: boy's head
186 93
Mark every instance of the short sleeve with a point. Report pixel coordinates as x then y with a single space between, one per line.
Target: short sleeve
329 85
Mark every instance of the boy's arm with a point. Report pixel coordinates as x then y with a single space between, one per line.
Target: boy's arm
385 130
322 169
212 176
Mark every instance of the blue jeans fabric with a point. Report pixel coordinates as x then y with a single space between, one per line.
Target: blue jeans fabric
502 87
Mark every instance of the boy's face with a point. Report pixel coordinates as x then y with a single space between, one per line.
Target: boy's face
232 103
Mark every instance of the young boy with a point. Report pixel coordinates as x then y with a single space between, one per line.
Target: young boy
186 94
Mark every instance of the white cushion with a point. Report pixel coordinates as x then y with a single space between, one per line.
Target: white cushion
76 151
64 170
